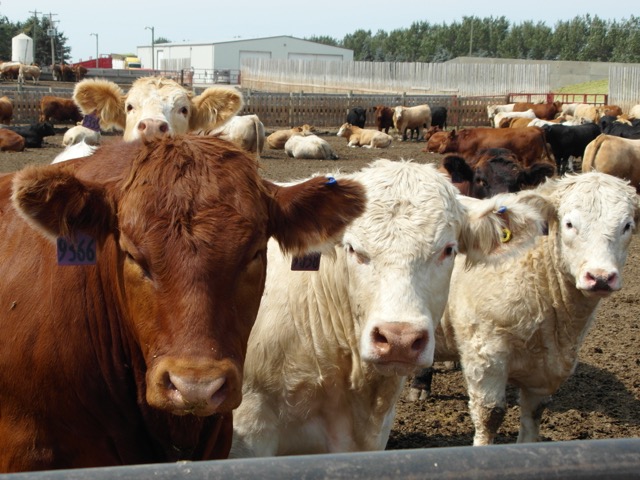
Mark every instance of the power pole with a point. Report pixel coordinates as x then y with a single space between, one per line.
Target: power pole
52 34
35 28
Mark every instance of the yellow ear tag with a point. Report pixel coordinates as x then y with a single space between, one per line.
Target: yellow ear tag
506 235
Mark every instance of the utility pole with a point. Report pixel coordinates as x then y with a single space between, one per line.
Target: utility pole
153 41
52 34
35 28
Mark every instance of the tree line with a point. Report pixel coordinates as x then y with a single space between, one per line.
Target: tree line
584 38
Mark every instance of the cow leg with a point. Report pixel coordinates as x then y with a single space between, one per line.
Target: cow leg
532 406
420 388
487 386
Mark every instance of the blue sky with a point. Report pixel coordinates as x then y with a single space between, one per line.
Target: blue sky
120 25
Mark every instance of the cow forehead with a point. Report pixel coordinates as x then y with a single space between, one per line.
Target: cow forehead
409 206
598 198
158 92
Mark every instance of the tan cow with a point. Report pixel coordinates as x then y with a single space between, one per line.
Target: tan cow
278 139
246 131
614 155
411 118
156 106
27 72
364 137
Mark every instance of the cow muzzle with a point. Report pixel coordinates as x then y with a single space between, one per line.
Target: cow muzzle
152 129
193 387
600 282
398 347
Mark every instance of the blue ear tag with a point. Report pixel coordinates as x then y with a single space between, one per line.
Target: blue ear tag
331 181
82 251
501 209
307 263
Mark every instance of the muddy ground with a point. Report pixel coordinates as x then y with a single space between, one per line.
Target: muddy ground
601 400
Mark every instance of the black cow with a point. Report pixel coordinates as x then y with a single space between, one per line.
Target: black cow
569 141
611 126
33 134
357 116
439 117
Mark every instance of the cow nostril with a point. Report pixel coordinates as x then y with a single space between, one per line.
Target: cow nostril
164 128
142 126
420 343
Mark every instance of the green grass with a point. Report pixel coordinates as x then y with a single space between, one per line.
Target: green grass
595 87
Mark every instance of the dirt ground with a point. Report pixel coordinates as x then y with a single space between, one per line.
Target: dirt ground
601 400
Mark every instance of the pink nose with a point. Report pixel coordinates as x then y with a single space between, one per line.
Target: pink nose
399 342
203 396
598 280
150 129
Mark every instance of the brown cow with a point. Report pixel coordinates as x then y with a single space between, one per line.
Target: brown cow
138 358
62 73
58 109
527 143
384 118
544 111
79 72
11 141
434 141
6 110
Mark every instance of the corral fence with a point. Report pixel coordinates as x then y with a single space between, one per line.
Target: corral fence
287 110
578 459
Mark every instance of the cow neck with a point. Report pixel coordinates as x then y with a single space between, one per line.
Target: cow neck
574 310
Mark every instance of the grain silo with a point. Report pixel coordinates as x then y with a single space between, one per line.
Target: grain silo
22 49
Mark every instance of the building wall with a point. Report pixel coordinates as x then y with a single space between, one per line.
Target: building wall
228 55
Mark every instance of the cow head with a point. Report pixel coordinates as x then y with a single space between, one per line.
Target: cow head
182 226
156 106
596 216
449 142
400 254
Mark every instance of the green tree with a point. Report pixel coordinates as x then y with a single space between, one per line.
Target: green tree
324 39
161 40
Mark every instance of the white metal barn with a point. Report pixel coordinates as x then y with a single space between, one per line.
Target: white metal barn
225 57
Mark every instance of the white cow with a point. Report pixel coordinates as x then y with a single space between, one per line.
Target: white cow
29 72
156 106
411 118
493 110
523 321
634 112
309 147
329 352
246 131
498 117
79 133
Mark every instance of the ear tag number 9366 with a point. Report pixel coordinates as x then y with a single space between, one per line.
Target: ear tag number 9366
81 251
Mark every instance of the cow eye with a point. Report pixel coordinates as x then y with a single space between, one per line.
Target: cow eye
627 227
129 107
184 111
141 264
568 225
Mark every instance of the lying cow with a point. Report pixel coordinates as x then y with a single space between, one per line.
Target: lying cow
79 134
278 139
364 137
500 116
11 141
616 156
246 131
136 356
328 355
411 118
33 134
309 147
156 106
522 321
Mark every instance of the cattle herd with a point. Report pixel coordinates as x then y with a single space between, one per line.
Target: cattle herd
166 301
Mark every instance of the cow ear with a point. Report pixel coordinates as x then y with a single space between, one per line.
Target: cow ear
104 98
503 225
458 168
55 201
537 174
214 107
312 215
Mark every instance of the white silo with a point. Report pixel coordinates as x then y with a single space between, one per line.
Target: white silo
22 49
